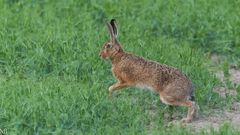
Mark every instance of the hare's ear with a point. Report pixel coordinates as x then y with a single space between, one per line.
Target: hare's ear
111 32
114 26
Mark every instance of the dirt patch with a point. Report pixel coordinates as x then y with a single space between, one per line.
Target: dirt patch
236 106
233 71
216 118
220 75
224 92
235 76
210 119
215 59
213 120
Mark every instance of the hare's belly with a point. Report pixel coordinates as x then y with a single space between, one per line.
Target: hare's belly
144 86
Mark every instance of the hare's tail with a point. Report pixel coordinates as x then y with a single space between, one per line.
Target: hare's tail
192 95
195 105
192 98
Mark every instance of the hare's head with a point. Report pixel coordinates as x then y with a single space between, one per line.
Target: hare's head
112 47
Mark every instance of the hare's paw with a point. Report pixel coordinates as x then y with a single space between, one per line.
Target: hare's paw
110 91
186 120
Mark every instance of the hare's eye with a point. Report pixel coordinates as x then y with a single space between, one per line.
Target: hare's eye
109 46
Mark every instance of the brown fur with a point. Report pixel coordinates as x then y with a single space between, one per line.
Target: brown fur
130 70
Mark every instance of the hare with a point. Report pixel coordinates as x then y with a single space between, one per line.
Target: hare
174 87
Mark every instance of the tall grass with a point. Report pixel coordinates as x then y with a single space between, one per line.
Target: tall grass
52 80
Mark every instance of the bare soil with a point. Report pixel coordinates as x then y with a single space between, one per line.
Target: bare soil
213 118
235 75
216 117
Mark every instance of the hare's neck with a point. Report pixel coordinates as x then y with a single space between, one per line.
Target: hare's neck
117 57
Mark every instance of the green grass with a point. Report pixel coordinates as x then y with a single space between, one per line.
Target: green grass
52 80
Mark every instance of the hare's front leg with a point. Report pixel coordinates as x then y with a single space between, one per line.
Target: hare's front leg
116 86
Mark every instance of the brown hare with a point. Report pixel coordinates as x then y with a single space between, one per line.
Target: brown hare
130 70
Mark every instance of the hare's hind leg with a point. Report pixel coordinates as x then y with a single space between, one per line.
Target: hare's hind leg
192 111
117 86
192 107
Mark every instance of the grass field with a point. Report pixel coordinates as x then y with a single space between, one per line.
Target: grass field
53 81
